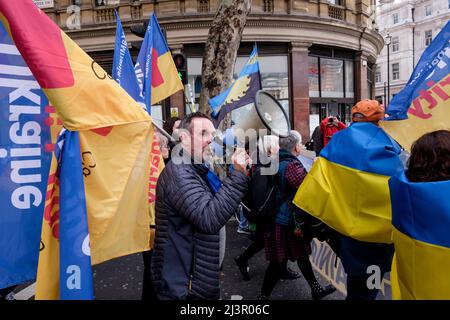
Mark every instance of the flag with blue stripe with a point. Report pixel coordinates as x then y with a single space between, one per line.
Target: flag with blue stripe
242 92
421 220
156 72
347 187
123 69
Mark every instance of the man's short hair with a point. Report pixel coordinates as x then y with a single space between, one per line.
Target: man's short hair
291 141
187 120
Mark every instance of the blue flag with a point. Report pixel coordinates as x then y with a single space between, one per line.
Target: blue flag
123 70
156 72
432 67
422 106
75 259
25 156
143 66
241 92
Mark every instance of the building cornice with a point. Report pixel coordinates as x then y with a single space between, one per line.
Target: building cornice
305 24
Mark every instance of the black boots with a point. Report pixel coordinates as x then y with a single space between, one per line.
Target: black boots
290 274
243 267
317 292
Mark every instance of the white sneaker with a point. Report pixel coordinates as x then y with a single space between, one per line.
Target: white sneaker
243 231
10 296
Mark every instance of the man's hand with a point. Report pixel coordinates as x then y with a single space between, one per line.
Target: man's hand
241 160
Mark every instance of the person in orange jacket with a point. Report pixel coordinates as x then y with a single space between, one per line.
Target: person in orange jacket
329 126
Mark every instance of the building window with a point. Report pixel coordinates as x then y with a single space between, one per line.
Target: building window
268 5
331 73
428 10
449 4
203 6
394 44
370 80
378 74
337 2
100 3
313 77
428 37
349 79
330 78
395 71
395 18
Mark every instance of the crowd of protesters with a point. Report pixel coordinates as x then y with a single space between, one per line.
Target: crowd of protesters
193 204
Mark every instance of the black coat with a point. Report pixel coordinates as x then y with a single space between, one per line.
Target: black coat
317 137
188 219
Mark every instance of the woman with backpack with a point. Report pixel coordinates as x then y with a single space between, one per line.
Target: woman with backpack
259 200
284 238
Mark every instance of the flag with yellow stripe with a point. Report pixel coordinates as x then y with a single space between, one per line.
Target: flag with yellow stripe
421 220
347 187
115 133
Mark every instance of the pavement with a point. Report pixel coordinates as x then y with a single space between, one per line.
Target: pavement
121 278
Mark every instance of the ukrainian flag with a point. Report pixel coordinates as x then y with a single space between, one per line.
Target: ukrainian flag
115 137
347 187
421 220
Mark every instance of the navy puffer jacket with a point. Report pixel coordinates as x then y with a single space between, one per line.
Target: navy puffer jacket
189 215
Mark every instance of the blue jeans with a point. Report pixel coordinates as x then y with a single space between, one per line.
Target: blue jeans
243 222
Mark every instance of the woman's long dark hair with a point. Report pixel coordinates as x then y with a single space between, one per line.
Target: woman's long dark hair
430 158
168 124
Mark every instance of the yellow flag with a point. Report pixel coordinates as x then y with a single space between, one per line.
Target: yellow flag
116 135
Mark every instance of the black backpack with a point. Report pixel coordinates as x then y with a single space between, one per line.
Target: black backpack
261 198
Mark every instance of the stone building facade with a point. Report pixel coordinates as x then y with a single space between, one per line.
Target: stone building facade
316 56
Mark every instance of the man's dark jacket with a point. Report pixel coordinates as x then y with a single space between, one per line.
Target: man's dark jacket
189 216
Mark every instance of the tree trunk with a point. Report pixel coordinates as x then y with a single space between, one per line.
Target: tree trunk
221 49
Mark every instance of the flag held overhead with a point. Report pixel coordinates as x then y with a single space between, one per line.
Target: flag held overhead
242 92
423 104
68 76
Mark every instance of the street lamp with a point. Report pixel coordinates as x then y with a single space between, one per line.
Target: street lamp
387 40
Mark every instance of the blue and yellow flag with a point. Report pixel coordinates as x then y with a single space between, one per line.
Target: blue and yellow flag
347 187
421 220
155 69
423 105
242 92
115 136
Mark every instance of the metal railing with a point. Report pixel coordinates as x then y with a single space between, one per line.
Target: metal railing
336 12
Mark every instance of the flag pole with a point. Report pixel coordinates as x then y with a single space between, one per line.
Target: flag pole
164 132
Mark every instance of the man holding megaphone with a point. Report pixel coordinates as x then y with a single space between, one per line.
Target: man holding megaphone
192 205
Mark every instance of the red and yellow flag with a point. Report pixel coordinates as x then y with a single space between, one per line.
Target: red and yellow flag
116 136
